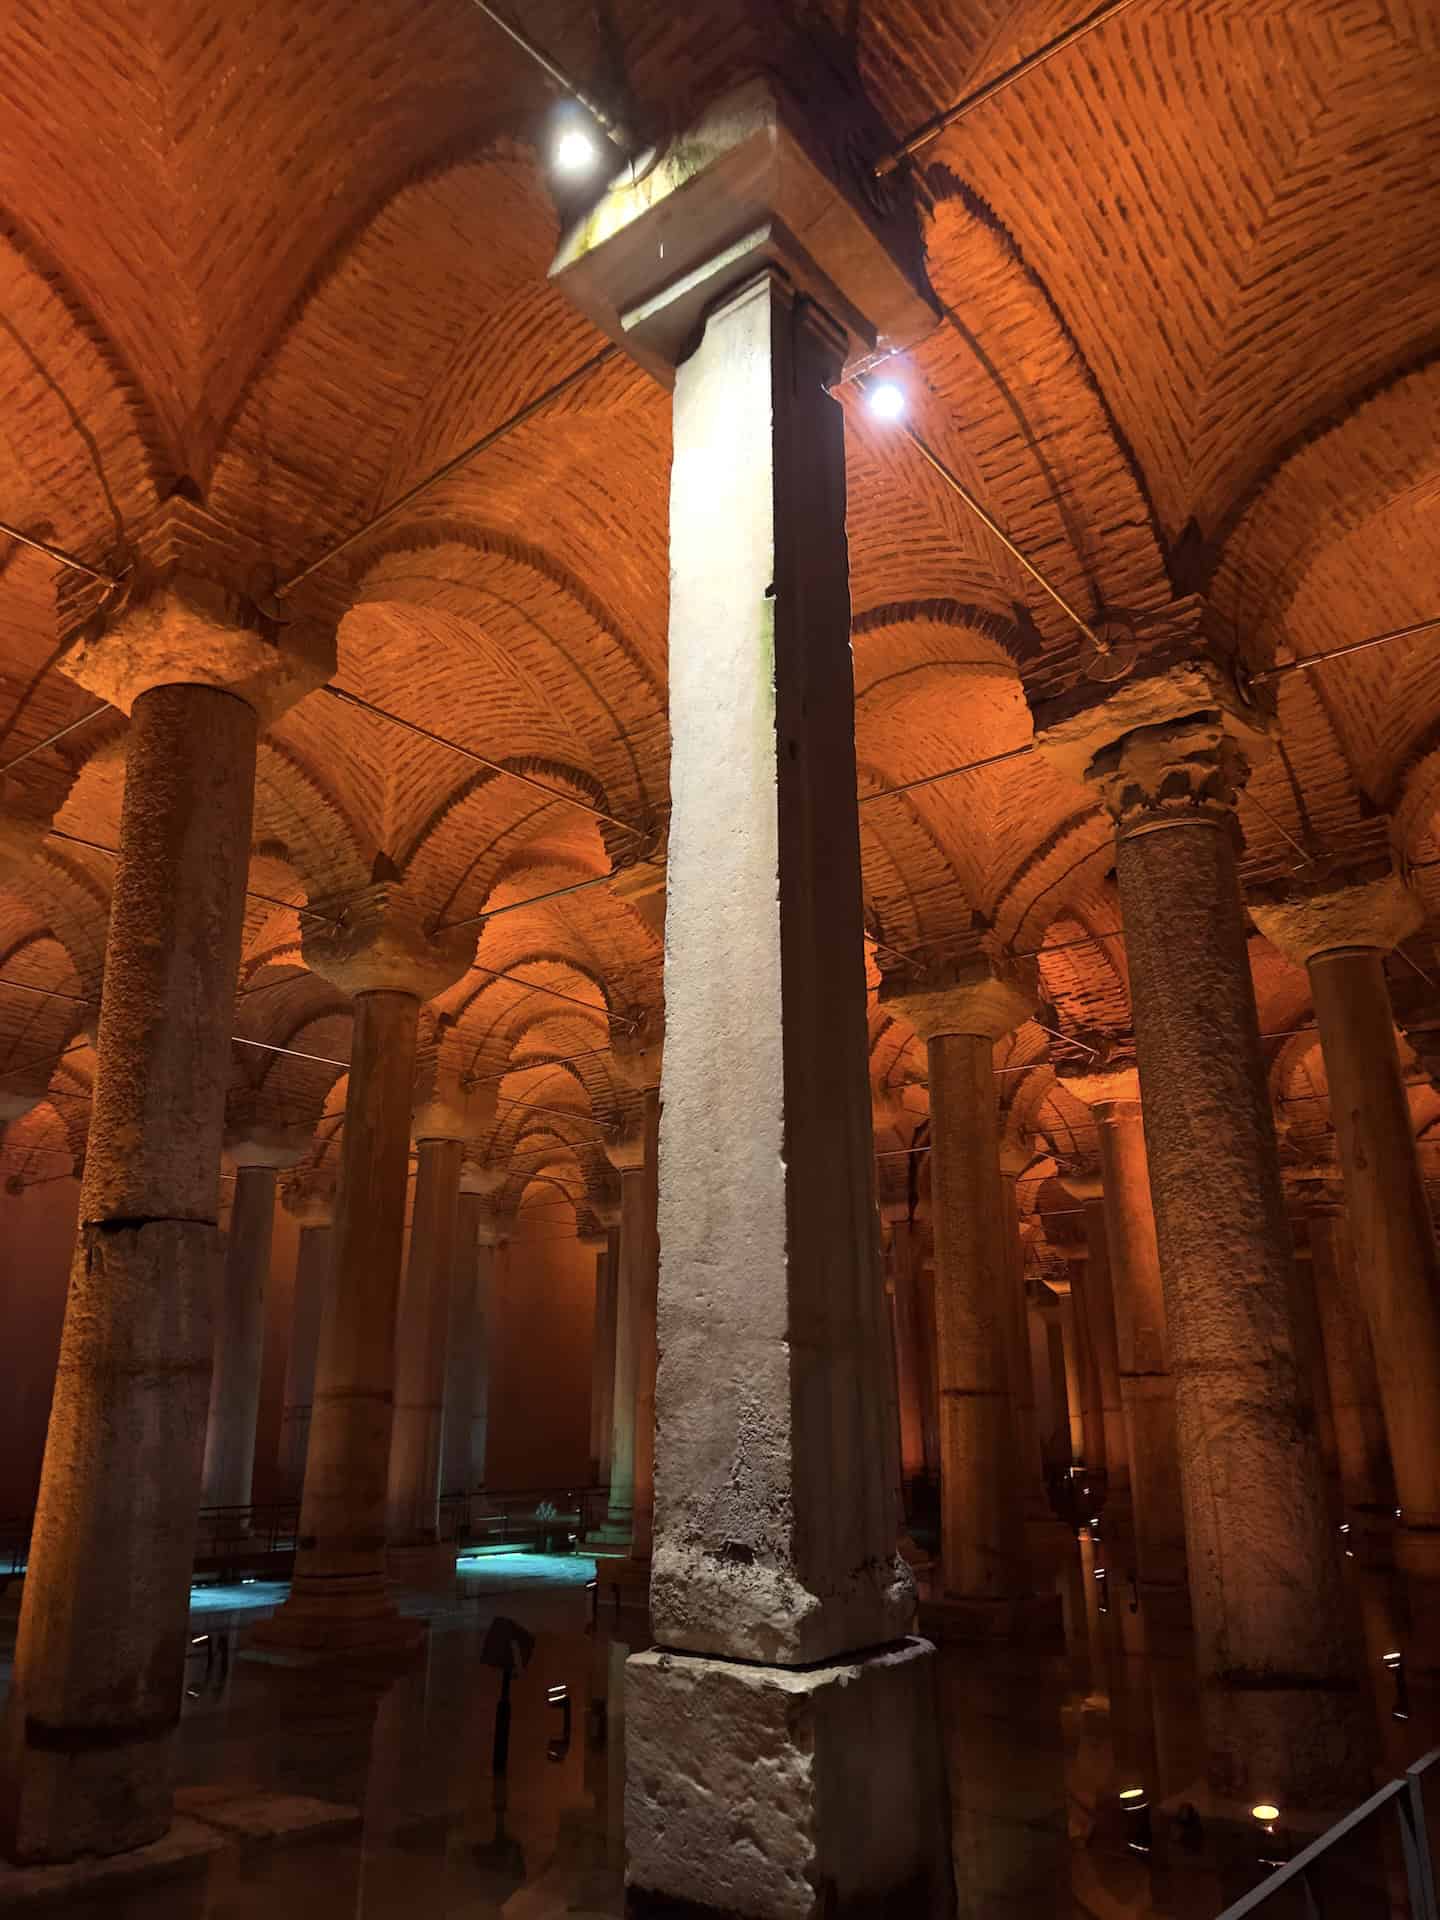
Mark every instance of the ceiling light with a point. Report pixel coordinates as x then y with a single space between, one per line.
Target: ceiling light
575 152
887 401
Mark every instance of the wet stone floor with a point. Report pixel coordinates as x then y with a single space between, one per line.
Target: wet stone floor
479 1796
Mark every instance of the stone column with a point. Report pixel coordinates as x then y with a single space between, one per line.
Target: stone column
775 1573
1013 1162
240 1327
1100 1328
595 1237
457 1475
1341 934
911 1347
96 1690
1147 1390
960 1013
492 1234
1367 1483
311 1200
1280 1702
634 1155
338 1602
1082 1375
422 1325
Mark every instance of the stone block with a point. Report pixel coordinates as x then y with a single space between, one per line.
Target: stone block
773 1792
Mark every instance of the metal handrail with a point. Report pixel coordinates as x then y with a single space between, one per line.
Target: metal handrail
1407 1796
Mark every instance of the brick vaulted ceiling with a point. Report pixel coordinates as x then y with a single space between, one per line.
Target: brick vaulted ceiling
288 258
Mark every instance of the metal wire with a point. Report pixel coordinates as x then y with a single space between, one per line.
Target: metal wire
933 128
1310 660
527 46
535 986
466 454
514 906
469 753
59 554
50 739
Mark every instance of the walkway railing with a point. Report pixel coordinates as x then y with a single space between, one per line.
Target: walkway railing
554 1519
1306 1872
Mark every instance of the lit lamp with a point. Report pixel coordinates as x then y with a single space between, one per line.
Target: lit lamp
1135 1806
886 400
1267 1814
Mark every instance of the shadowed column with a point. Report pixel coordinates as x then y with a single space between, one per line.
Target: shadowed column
95 1695
338 1600
1280 1702
310 1199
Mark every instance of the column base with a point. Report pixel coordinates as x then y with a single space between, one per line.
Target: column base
83 1791
766 1793
424 1564
1025 1620
315 1631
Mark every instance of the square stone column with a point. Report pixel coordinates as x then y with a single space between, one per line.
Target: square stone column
782 1741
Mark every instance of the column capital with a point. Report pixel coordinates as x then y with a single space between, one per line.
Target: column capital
1107 1084
590 1231
447 1107
1081 1179
477 1178
378 942
275 1148
1371 907
637 1048
978 994
191 611
1183 672
308 1196
752 184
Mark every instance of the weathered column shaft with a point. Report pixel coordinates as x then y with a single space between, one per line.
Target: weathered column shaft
602 1367
312 1278
630 1318
643 1325
1086 1374
339 1585
1072 1356
1022 1378
1395 1257
770 1295
982 1541
486 1265
99 1662
1264 1580
1146 1388
911 1350
462 1361
1366 1480
239 1342
422 1324
1104 1346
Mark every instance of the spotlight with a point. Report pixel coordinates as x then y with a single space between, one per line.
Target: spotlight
575 153
887 401
1267 1816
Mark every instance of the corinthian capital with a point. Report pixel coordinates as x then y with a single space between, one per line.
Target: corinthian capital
1180 771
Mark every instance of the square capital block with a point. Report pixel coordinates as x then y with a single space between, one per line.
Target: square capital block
751 185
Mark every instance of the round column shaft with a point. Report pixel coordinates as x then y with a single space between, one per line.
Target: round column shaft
1279 1698
982 1539
1366 1481
1104 1346
1395 1259
421 1330
1022 1378
457 1473
312 1277
1147 1390
96 1690
338 1597
239 1342
602 1349
631 1321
